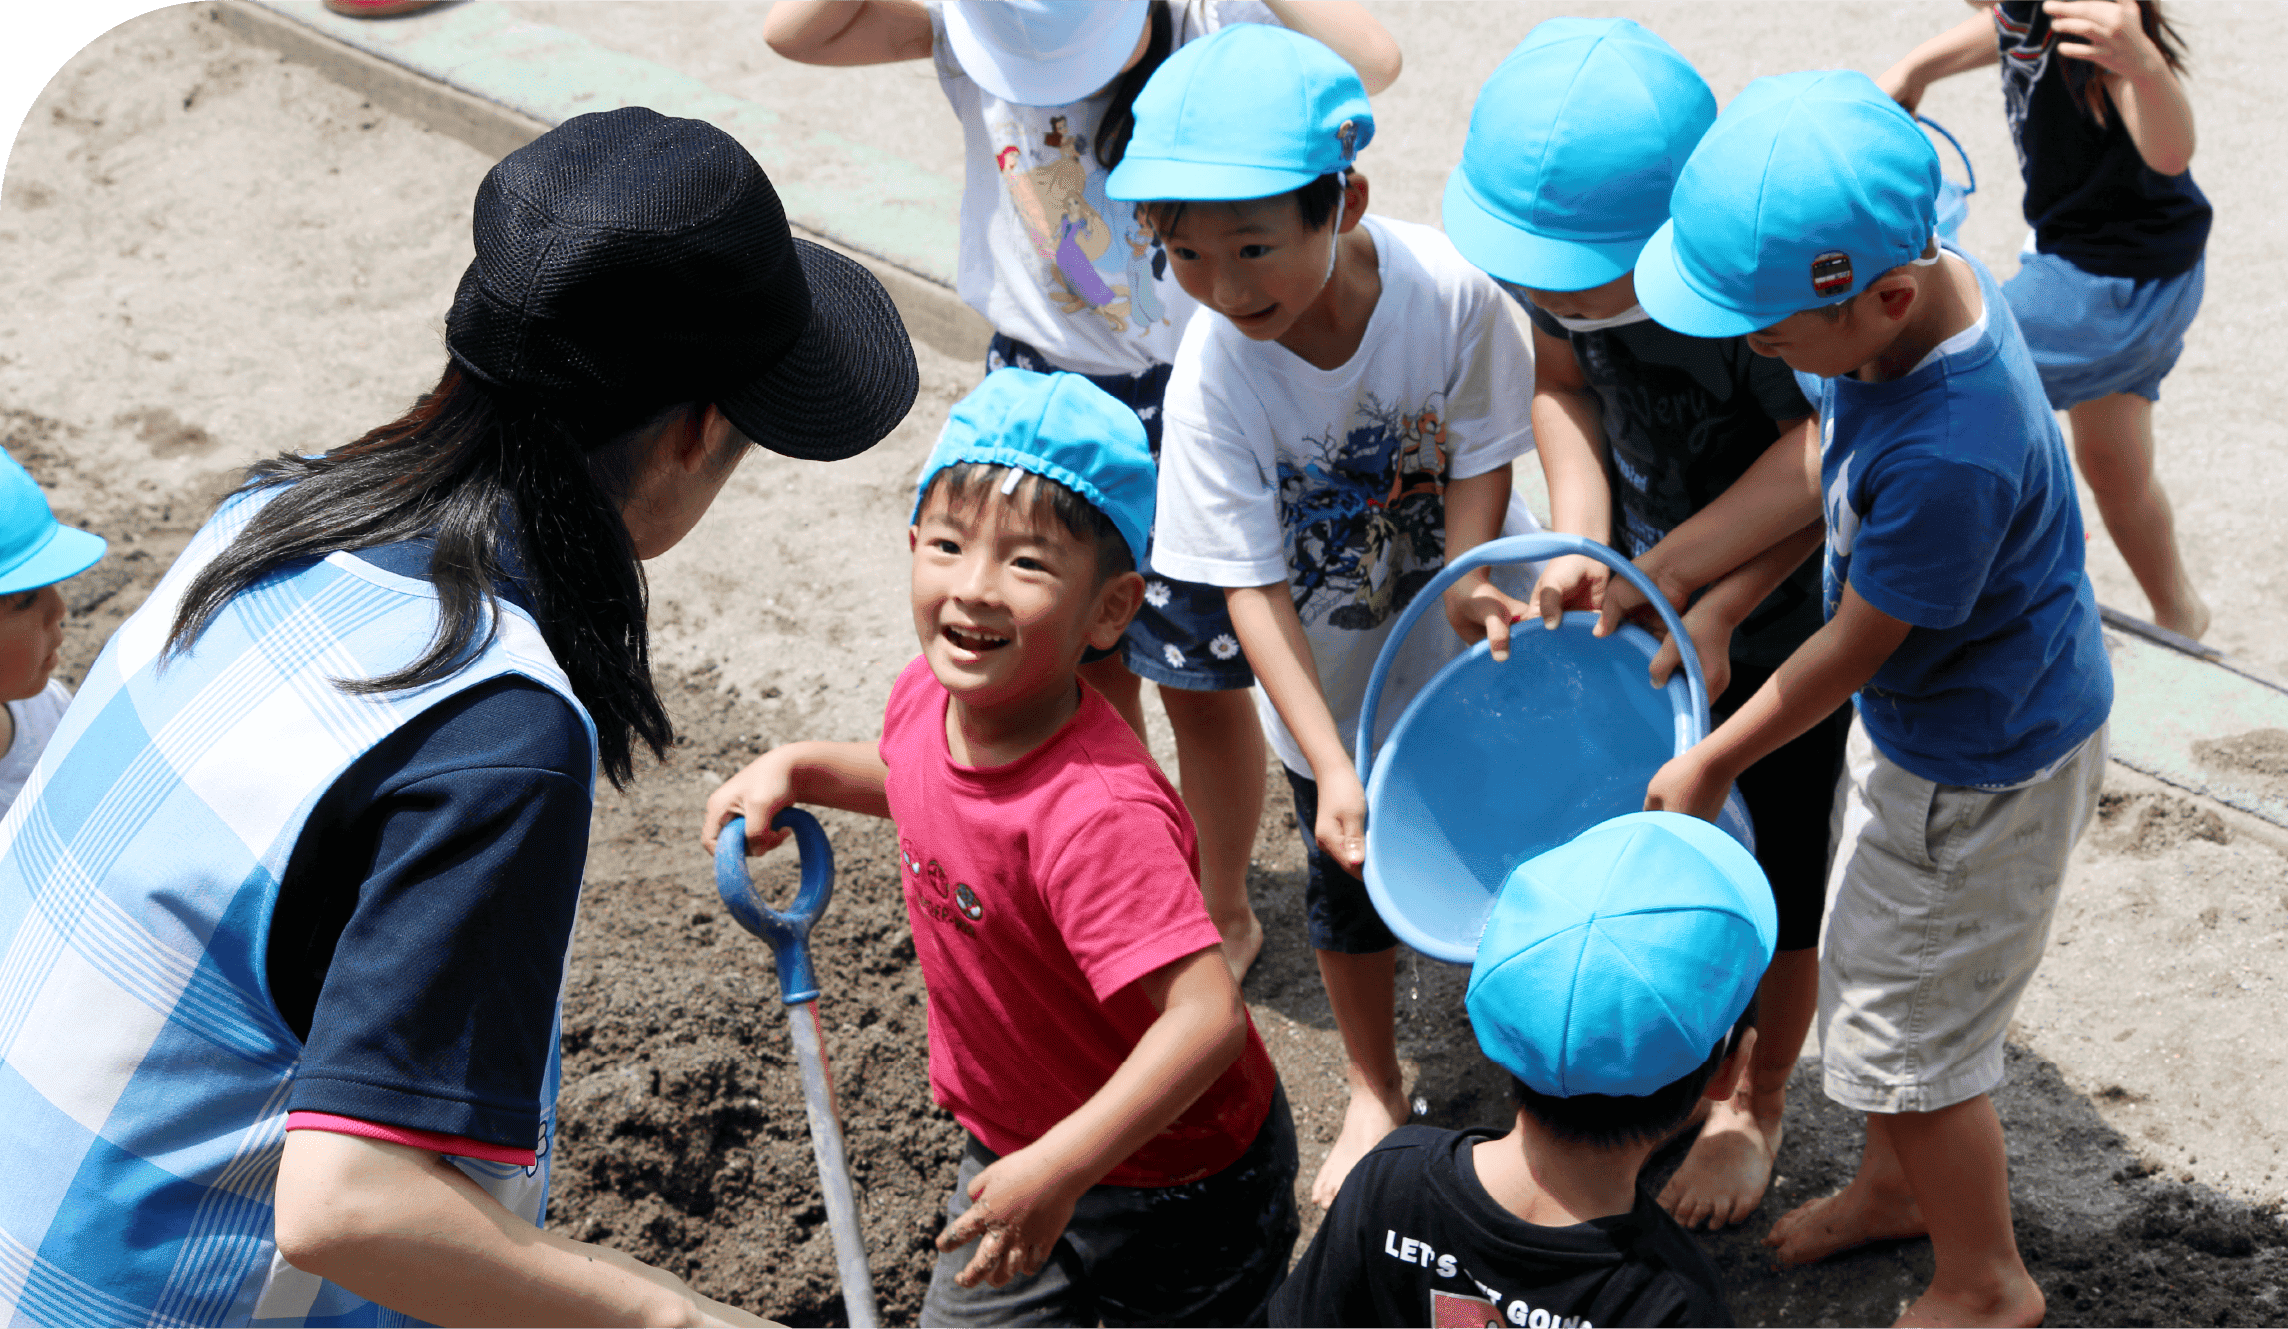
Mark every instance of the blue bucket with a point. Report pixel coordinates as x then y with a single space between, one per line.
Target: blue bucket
1493 762
1953 196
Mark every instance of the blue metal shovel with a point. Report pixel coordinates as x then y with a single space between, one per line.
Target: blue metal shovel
789 937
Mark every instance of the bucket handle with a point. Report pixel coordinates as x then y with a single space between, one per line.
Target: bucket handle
1525 549
789 932
1967 168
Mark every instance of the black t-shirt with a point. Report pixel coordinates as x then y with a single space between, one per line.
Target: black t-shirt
1684 417
2089 197
418 940
1414 1239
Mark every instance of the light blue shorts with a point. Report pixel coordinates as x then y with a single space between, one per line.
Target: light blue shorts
2094 336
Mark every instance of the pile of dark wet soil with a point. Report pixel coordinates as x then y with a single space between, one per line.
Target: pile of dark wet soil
681 1137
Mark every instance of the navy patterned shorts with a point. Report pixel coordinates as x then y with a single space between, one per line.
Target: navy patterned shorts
1182 637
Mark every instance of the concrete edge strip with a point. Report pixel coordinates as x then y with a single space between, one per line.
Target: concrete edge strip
462 80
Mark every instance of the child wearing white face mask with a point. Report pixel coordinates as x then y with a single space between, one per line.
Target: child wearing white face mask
1640 427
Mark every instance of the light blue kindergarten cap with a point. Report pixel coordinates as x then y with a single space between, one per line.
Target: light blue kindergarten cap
1060 426
1249 111
1810 186
1044 52
1574 144
35 549
1618 961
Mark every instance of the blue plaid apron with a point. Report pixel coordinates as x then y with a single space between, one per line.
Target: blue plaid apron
144 1070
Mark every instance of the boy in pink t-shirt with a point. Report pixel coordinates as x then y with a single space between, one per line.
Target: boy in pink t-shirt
1123 1116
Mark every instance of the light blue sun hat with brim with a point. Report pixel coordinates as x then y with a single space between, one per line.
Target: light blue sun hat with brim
1248 111
35 549
1808 187
1575 142
1061 427
1044 52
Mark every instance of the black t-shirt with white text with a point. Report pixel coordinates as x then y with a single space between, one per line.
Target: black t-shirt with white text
1413 1238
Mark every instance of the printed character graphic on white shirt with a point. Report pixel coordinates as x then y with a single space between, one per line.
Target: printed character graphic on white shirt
1366 519
1066 228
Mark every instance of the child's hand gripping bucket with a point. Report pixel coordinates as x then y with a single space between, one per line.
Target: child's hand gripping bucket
1495 761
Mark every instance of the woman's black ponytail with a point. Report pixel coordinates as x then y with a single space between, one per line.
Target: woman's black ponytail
450 470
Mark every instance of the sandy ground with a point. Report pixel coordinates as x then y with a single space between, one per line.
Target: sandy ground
211 255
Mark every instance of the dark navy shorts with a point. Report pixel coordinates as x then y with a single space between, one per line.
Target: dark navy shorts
2094 336
1209 1252
1182 637
1339 912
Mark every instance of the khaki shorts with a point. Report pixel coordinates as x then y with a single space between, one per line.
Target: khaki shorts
1939 904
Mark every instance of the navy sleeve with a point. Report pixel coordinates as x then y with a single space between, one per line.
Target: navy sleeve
419 938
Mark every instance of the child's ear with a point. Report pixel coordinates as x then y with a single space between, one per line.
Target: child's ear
1896 293
1354 202
1116 605
913 538
1726 1080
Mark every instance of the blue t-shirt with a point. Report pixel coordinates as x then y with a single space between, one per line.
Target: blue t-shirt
1950 505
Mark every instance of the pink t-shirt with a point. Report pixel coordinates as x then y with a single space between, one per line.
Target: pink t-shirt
1039 892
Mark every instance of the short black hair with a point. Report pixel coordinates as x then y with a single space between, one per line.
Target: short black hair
1615 1121
1315 201
969 481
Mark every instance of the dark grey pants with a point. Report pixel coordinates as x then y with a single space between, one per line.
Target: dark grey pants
1209 1252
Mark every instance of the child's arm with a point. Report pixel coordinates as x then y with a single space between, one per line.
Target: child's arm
1967 45
1776 498
849 776
1822 674
404 1228
1270 633
1715 616
2144 90
1020 1204
1345 27
1569 432
1474 511
848 32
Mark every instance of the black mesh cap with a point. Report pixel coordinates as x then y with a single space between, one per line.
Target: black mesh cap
627 261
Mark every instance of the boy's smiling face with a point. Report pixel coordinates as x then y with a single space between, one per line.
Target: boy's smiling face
31 641
1254 261
1005 598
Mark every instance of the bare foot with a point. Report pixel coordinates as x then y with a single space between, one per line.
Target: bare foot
2188 617
1853 1216
1723 1177
2018 1301
1368 1118
1241 944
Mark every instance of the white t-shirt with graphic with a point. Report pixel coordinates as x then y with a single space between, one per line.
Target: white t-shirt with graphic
1046 257
36 718
1332 480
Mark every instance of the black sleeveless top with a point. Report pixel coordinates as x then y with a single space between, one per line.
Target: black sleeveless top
2089 197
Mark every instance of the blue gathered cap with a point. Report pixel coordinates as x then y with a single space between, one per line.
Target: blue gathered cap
35 549
1574 144
1061 427
1618 961
1249 111
1810 186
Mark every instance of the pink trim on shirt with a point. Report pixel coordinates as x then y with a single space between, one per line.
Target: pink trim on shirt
460 1146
